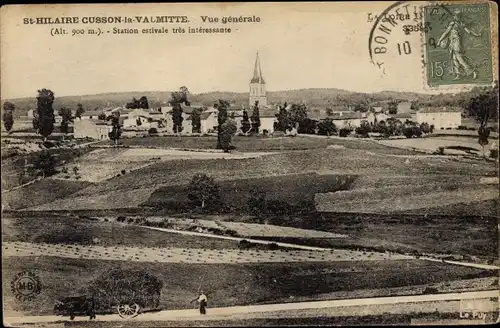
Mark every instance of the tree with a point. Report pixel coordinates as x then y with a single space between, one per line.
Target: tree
36 121
196 121
255 117
283 123
484 106
133 104
393 107
46 118
204 193
66 116
425 128
326 127
484 134
177 99
297 114
79 111
45 163
363 129
307 126
221 107
143 103
101 117
329 112
8 115
138 121
361 107
245 123
116 131
227 131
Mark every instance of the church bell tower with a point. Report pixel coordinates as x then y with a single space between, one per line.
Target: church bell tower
257 86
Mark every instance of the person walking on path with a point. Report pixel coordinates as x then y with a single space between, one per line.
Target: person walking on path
202 300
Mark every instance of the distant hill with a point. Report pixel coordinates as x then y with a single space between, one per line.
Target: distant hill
322 97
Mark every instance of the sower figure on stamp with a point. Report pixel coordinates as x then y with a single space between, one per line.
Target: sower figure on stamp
452 37
202 300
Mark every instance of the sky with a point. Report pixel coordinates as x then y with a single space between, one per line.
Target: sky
300 46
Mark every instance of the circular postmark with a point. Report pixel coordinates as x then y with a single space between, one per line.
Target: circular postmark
25 286
394 38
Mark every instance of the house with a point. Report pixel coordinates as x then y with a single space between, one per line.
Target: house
403 117
267 120
377 109
91 128
440 117
348 119
381 117
404 107
93 114
208 121
187 111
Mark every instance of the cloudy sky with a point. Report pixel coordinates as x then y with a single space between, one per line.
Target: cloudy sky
300 46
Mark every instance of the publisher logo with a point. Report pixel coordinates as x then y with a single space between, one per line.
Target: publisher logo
25 286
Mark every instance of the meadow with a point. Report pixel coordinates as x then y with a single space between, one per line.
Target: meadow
75 231
255 143
230 284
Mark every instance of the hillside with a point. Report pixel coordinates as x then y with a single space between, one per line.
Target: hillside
314 96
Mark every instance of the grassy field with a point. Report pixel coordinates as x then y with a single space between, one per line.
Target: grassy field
329 161
41 192
463 235
291 189
433 143
256 143
55 230
404 197
226 284
13 167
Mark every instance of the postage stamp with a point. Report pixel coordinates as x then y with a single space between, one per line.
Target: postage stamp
458 44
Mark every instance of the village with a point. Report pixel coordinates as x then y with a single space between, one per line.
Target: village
95 124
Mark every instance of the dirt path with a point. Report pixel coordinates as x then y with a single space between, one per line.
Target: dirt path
444 303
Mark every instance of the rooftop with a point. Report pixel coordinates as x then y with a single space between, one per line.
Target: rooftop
257 72
440 110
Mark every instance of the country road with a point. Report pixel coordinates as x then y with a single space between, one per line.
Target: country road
444 303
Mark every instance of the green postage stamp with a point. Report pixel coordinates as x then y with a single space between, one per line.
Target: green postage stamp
458 44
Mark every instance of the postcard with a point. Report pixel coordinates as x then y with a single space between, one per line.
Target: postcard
250 164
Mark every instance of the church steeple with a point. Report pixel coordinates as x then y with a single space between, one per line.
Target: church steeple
257 72
257 86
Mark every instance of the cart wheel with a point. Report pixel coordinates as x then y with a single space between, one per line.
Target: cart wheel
128 310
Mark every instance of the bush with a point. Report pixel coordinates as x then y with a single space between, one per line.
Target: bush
204 193
121 219
344 132
430 290
153 131
123 172
363 130
462 127
326 127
